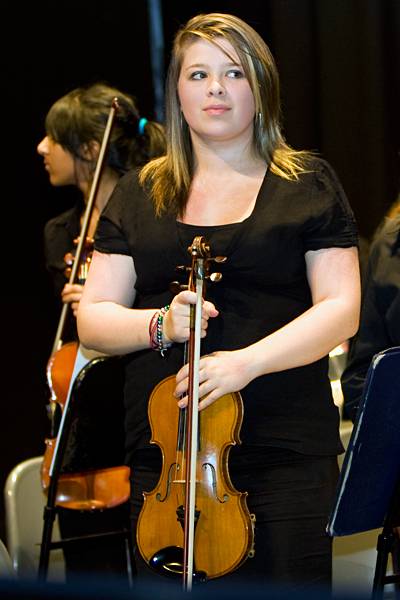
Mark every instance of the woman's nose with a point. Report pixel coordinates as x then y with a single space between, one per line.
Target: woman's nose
215 88
42 147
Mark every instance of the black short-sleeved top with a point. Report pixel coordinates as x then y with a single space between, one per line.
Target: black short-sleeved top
264 286
59 235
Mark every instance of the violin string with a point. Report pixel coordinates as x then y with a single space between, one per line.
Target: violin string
179 466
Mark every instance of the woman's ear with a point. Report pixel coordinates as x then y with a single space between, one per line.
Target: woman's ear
90 151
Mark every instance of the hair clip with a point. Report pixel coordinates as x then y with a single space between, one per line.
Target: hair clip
141 126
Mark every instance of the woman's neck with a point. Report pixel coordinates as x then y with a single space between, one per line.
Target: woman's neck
107 183
221 159
225 184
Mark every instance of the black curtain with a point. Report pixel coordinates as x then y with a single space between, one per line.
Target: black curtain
339 67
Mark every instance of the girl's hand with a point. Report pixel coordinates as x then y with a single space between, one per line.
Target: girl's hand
220 373
177 319
72 294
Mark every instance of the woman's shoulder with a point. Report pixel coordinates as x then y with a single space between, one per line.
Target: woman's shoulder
316 175
129 182
320 206
68 219
319 188
318 172
325 188
127 198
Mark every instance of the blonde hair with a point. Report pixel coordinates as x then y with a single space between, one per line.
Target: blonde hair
170 176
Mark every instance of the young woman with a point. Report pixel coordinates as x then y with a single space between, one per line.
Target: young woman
288 295
75 126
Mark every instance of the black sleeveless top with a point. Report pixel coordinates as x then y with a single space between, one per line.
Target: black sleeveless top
264 286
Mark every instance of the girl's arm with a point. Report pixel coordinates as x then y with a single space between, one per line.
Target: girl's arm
333 276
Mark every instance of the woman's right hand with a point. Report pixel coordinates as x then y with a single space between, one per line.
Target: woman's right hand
72 294
177 320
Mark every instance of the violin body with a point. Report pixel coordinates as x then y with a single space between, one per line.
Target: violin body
97 489
224 533
59 372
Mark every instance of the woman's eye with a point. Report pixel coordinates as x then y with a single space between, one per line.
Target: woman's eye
235 73
197 75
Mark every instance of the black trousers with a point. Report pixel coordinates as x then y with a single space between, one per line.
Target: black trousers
291 495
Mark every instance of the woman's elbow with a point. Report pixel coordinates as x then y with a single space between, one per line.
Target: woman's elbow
352 319
84 327
354 324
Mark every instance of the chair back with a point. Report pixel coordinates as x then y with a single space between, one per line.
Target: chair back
6 568
24 504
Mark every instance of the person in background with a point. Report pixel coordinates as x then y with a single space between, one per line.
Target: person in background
289 292
380 313
75 126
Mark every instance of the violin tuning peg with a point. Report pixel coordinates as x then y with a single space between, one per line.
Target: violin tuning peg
69 258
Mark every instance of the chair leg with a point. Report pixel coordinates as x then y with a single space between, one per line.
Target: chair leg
49 516
130 557
384 547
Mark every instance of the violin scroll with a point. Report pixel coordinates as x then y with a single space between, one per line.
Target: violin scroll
86 259
199 249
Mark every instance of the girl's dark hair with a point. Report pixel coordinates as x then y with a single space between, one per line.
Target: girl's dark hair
79 118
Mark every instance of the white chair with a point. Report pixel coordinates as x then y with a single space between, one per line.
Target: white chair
6 568
24 505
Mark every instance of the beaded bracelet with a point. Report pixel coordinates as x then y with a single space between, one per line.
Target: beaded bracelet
156 331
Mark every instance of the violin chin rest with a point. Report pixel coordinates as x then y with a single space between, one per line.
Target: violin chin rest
169 562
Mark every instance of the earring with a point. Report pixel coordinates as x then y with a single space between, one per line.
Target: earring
260 119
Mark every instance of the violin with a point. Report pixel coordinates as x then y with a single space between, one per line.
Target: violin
98 488
194 524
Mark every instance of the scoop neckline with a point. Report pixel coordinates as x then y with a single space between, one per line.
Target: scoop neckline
234 223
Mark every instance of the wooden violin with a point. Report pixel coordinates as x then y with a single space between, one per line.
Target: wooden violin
194 524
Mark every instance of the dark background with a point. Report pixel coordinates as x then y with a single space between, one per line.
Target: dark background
339 66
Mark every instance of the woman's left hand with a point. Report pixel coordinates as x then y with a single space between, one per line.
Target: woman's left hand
72 294
219 373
